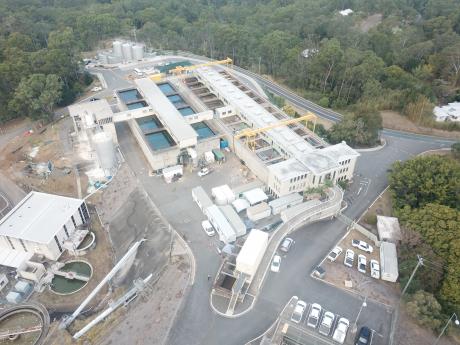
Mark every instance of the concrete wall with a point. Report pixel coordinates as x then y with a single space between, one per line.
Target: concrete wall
199 117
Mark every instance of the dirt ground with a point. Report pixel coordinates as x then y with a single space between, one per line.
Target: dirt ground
393 120
363 284
18 156
381 207
370 22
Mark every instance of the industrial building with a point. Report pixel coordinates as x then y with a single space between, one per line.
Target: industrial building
43 225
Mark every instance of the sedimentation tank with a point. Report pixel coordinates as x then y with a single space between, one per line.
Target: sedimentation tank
127 52
138 52
117 48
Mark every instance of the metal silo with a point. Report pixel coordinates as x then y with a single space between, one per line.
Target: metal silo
105 150
127 52
138 52
117 50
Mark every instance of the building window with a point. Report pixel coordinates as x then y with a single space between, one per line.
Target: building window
9 241
313 179
66 232
58 244
23 245
81 216
73 221
84 209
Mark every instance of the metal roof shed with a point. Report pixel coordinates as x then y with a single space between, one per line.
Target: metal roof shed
388 228
388 262
234 220
240 205
254 196
201 198
285 202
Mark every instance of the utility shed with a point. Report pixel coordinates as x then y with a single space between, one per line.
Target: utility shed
170 173
388 228
202 199
293 211
254 196
259 211
285 202
221 224
223 195
234 220
388 262
252 252
240 205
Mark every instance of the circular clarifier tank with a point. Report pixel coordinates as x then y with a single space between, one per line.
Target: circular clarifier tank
72 277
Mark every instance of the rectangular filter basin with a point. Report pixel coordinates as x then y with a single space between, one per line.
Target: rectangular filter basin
159 140
129 96
166 88
203 130
148 123
136 105
186 111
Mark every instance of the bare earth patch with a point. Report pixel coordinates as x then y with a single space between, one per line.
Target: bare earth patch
393 120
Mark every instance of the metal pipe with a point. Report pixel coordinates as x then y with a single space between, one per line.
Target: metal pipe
67 321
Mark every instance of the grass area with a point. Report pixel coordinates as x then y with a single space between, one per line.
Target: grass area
381 207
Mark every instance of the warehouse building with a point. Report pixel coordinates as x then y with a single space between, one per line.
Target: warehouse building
41 224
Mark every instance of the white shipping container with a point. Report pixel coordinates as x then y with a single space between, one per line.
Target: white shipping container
259 211
388 262
202 199
252 252
220 224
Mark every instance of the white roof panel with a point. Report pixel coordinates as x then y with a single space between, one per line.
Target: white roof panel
38 217
255 196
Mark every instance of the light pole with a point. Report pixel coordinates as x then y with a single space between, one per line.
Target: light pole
457 322
355 326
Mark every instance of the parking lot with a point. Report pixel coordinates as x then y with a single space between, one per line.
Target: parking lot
301 333
338 274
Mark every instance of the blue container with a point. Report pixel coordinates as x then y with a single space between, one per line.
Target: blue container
223 143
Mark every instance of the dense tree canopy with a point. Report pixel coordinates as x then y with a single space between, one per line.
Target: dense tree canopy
399 54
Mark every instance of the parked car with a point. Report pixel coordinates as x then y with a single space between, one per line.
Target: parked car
204 172
313 317
334 254
319 272
299 309
276 262
341 330
326 323
362 245
286 244
349 258
375 269
207 227
96 89
364 336
362 262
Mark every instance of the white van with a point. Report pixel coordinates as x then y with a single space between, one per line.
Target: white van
207 227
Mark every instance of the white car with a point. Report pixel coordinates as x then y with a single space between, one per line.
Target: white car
203 172
341 330
298 311
362 245
362 263
349 258
375 269
276 263
326 323
96 89
313 317
334 254
207 227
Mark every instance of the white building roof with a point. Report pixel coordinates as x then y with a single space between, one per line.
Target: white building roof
285 170
346 12
240 204
389 259
255 196
449 112
167 112
38 217
234 220
90 111
388 228
252 251
13 258
224 228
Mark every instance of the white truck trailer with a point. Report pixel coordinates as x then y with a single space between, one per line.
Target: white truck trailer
388 262
251 253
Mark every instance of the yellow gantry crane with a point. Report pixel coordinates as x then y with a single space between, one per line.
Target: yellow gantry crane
251 134
180 69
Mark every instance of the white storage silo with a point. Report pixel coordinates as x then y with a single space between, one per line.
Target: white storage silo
138 52
117 50
127 52
105 150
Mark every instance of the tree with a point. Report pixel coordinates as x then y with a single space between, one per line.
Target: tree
425 309
36 96
425 179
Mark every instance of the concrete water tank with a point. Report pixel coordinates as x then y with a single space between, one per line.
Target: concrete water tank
138 52
117 49
103 144
127 52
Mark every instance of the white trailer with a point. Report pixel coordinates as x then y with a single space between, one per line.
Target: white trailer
251 253
234 220
388 262
285 202
202 199
223 195
220 224
170 172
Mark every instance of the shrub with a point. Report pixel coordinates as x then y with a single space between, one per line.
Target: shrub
425 309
